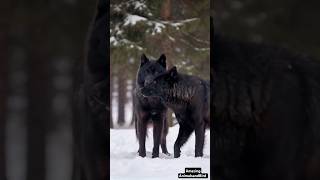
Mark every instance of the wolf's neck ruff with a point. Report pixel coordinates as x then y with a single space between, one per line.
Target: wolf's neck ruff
179 93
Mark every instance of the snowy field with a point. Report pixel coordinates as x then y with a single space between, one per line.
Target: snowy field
125 164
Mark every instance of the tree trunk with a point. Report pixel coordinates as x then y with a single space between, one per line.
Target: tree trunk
166 10
111 97
37 114
39 96
121 97
133 87
167 46
166 43
4 44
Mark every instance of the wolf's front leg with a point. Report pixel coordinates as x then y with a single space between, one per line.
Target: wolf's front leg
157 128
142 132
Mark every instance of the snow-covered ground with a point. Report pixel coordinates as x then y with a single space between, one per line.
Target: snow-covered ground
125 164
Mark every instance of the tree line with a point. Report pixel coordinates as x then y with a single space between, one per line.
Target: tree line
179 29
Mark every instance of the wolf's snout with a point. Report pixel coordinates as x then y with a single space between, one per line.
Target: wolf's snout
148 80
146 92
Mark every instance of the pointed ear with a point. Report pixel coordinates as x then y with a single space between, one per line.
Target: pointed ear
162 61
173 72
143 60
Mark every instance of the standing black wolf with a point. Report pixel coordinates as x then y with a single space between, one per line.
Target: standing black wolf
189 98
146 109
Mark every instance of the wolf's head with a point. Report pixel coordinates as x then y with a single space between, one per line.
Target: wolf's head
160 84
150 69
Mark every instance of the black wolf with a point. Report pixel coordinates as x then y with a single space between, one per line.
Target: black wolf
145 109
266 113
189 98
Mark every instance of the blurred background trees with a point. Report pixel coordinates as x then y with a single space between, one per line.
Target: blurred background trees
40 43
293 24
179 29
3 99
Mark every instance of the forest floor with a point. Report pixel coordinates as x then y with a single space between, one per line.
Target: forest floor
125 164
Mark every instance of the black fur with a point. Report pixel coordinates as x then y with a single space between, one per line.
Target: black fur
146 109
266 113
189 98
91 99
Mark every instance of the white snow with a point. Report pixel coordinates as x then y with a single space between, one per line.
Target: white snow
158 28
113 41
124 42
125 164
171 38
182 22
132 19
139 5
117 8
202 49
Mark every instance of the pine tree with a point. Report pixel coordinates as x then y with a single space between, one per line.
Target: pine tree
154 27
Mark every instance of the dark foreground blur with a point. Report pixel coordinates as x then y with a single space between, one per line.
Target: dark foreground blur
40 41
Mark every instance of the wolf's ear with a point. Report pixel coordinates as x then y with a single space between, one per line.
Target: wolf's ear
173 72
143 60
162 60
